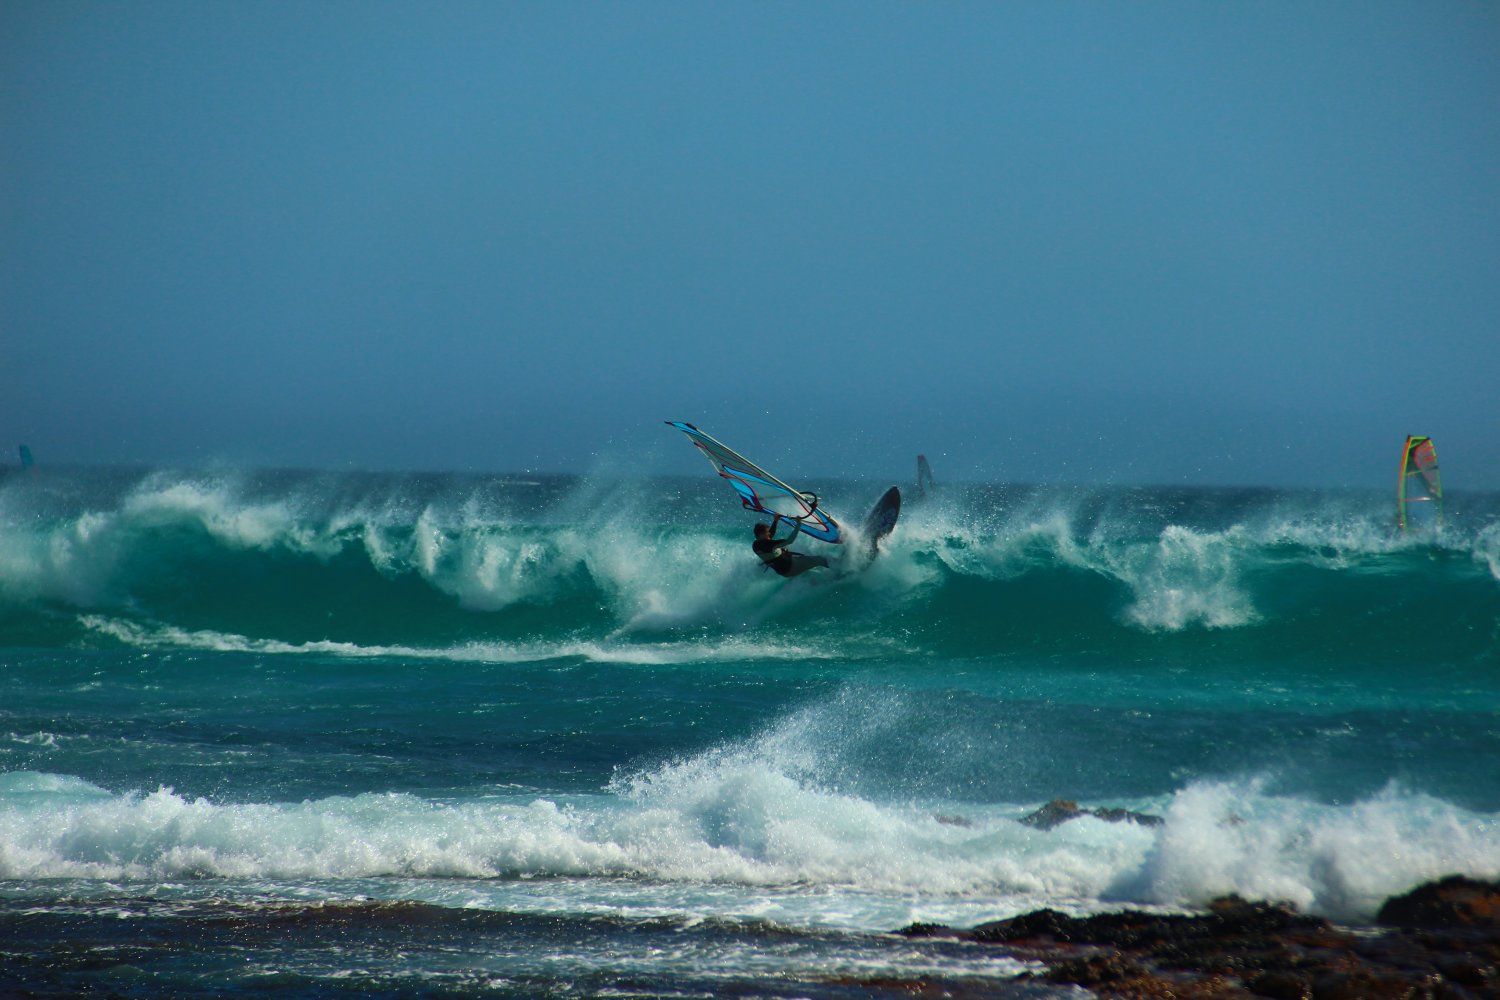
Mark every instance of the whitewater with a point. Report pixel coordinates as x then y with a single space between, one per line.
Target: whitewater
333 734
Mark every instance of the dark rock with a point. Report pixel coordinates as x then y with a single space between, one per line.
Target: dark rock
1455 901
1246 949
1280 986
1096 970
919 930
1361 984
1466 970
1045 925
1060 811
1054 813
1126 816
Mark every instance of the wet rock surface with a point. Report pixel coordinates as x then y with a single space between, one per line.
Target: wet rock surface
1060 811
1440 942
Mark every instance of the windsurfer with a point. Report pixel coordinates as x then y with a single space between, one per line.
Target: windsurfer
775 554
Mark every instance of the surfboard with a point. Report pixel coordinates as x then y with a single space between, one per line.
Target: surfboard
881 520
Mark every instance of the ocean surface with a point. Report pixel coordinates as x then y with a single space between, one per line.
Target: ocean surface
321 735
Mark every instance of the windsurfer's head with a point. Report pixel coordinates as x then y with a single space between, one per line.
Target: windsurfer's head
762 530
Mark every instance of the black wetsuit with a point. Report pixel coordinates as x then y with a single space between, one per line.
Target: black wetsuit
775 554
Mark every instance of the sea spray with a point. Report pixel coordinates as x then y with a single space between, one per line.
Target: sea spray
454 729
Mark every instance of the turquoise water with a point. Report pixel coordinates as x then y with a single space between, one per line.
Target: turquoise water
363 734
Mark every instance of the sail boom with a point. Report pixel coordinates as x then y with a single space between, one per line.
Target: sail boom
760 491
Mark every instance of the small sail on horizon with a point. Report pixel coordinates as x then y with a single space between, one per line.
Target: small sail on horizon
26 461
1419 485
924 476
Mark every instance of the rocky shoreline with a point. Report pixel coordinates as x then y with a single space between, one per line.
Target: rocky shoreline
1440 942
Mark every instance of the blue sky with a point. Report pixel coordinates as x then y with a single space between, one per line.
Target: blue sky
1223 243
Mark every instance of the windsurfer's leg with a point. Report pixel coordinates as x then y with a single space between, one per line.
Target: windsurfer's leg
802 563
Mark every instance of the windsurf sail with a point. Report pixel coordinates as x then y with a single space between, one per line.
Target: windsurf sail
1419 484
924 475
762 492
26 462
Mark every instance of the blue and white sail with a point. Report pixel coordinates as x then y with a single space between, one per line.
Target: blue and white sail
762 492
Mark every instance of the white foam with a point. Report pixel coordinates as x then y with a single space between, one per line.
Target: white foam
1019 547
657 577
1487 549
487 566
1181 579
74 562
1340 861
739 816
730 649
218 510
80 559
39 739
1186 578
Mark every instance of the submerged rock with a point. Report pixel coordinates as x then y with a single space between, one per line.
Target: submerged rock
1060 811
